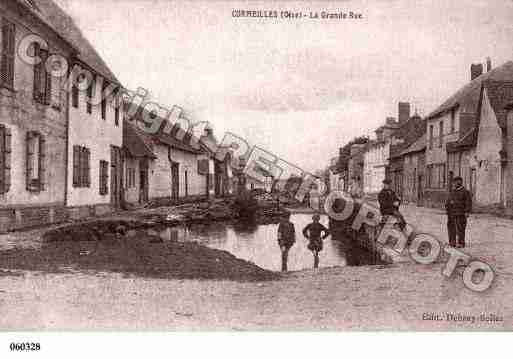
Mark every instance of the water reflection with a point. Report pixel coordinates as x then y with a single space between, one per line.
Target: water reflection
258 244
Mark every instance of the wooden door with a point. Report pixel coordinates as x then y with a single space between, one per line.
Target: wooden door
116 175
143 182
175 180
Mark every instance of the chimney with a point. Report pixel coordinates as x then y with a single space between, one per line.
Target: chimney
403 112
475 71
488 64
390 121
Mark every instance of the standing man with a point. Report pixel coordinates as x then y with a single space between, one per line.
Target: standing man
389 203
458 207
286 239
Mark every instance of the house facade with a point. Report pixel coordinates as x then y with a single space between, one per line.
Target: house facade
453 136
138 159
414 164
33 121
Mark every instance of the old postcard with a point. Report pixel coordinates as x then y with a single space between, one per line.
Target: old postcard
255 165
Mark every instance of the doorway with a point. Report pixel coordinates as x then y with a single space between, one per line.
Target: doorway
116 176
143 182
175 180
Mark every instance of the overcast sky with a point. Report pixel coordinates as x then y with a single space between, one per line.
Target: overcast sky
299 88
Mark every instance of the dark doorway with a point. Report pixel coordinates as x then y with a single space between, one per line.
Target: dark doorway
175 180
143 182
115 176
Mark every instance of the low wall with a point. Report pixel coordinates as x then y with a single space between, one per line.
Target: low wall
25 217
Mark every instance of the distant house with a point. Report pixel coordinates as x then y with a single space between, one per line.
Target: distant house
220 180
355 166
413 181
138 159
452 137
410 130
376 156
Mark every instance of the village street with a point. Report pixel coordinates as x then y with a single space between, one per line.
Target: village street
398 296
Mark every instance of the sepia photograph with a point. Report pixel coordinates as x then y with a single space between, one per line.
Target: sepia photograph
262 166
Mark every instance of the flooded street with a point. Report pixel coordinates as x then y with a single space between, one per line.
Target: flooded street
258 244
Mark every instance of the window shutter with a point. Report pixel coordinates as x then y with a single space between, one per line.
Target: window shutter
42 162
29 168
48 89
37 75
8 49
87 168
7 160
76 166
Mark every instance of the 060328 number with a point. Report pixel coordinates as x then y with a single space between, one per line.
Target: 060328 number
24 347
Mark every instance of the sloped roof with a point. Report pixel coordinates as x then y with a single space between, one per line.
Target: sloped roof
409 132
467 141
500 94
417 146
134 143
53 16
169 138
467 97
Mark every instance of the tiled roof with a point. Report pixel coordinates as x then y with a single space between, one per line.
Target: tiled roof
500 94
467 97
169 138
408 133
53 16
468 140
417 146
134 143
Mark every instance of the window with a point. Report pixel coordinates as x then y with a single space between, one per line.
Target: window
104 100
130 177
42 78
81 170
5 159
453 121
104 177
90 94
436 175
74 95
116 110
441 134
35 161
431 130
8 50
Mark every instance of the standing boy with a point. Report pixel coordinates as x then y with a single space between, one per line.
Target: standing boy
286 239
315 232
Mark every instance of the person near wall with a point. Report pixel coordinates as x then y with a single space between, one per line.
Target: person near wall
286 239
458 207
389 204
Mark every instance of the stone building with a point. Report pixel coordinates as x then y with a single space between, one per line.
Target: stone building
376 155
452 137
138 158
413 181
35 116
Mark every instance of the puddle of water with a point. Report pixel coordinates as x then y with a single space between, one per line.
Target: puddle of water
258 244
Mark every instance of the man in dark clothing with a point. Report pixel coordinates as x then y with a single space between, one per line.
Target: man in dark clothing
314 233
286 239
458 206
389 203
